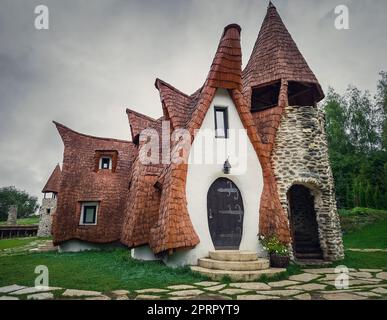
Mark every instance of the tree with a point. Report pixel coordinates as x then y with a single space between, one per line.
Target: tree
381 99
356 129
26 204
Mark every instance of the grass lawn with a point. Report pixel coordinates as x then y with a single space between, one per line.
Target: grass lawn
15 242
364 228
93 270
364 260
24 221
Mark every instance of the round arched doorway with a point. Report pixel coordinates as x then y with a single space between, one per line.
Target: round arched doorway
225 214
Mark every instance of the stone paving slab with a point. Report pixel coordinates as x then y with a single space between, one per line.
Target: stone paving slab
11 288
305 277
361 274
380 290
308 287
251 286
324 270
147 297
341 296
41 296
120 292
382 275
215 288
282 293
256 297
102 297
7 298
303 296
33 290
351 282
232 292
181 287
284 283
152 290
80 293
368 294
186 293
182 298
207 283
371 270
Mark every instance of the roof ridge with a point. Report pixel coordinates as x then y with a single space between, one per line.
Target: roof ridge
128 110
57 124
159 81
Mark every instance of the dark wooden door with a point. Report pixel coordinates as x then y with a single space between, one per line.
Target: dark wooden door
225 214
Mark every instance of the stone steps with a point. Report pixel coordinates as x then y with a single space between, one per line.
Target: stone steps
237 265
258 264
233 255
218 275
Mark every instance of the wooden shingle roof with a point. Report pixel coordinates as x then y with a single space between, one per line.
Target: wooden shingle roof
53 182
276 56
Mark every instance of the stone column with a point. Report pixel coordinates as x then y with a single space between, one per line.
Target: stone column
12 215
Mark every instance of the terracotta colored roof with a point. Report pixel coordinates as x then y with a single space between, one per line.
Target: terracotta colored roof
53 182
81 182
275 56
139 122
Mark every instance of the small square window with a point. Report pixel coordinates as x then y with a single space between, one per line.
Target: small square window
221 122
105 163
89 213
48 211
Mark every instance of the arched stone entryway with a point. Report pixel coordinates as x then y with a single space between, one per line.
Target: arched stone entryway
303 223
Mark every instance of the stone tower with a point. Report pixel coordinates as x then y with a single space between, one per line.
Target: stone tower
283 93
48 207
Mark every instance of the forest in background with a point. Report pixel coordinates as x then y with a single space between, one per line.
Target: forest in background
356 125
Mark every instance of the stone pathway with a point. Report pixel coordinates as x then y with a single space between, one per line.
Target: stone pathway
312 284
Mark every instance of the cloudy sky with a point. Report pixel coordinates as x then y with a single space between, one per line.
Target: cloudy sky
101 56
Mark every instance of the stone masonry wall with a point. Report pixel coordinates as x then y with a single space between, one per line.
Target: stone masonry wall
12 215
300 156
45 220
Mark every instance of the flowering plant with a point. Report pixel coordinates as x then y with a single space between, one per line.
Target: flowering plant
273 245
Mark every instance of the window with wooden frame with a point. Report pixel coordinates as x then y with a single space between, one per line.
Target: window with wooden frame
89 211
221 122
105 160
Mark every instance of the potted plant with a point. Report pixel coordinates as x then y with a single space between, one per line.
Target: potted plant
278 251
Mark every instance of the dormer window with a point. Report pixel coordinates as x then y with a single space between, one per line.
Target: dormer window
105 163
221 122
105 160
265 97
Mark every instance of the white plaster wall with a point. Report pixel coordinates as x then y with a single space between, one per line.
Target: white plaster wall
143 253
246 173
77 246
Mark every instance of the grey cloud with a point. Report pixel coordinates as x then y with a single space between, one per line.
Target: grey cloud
100 57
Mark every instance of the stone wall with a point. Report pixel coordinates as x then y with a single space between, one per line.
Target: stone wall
46 211
12 215
300 156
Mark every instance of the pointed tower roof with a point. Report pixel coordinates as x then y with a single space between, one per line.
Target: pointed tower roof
225 70
275 56
53 183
